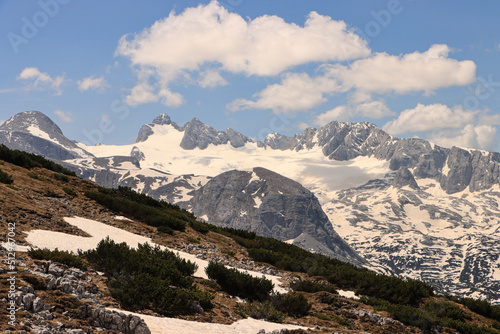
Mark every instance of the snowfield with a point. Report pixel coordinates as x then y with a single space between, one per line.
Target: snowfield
309 167
157 325
178 326
99 231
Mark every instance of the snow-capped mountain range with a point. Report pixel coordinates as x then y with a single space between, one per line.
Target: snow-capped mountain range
405 206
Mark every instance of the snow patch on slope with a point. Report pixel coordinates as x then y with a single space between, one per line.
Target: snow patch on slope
160 325
99 231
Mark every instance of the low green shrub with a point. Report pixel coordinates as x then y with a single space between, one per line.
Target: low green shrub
193 240
148 278
228 252
36 177
265 310
239 284
199 226
433 314
311 286
61 177
5 178
30 160
70 191
68 258
293 303
141 207
165 229
482 307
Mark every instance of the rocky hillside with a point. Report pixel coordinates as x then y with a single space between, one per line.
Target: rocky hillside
408 207
68 294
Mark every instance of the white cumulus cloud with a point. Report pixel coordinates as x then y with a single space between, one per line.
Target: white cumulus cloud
40 80
210 36
89 83
412 72
380 73
473 136
296 92
424 118
211 78
374 109
340 113
447 126
141 94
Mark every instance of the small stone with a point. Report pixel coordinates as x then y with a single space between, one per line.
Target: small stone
28 301
37 305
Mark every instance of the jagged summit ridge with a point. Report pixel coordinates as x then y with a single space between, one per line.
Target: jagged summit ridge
199 135
196 134
455 169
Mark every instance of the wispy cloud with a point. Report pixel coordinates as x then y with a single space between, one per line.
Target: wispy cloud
7 90
64 116
40 80
91 83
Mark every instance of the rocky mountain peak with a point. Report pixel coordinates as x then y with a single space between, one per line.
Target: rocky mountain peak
147 129
338 140
34 132
162 119
31 121
199 135
271 205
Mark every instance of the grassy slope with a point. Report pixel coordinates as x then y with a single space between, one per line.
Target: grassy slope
39 199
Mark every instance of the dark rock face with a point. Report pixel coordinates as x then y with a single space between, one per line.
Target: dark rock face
236 139
486 170
20 133
31 144
144 133
404 178
104 177
137 153
431 163
270 205
200 135
460 171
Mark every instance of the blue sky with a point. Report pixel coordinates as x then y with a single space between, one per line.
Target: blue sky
101 69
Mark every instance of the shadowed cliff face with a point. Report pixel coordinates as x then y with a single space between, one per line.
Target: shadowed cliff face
270 205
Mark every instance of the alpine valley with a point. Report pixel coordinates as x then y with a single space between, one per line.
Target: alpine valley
403 207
